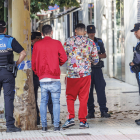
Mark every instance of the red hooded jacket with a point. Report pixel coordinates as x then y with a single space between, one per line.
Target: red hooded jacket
47 55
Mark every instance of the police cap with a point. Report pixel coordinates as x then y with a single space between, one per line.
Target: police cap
91 29
136 27
2 24
35 35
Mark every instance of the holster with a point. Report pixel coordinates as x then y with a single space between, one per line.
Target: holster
99 65
13 68
135 68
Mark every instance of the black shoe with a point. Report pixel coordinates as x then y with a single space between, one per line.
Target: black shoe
137 120
57 128
90 116
44 129
105 115
13 129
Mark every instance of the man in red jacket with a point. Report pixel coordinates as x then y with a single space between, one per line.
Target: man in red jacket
47 55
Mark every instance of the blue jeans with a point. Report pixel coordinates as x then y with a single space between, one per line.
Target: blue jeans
54 88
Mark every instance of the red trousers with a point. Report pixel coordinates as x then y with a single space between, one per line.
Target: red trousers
78 87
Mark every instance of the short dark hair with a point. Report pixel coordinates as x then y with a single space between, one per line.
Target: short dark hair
2 29
46 29
80 26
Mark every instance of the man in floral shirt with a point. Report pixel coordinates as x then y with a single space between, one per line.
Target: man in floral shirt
81 51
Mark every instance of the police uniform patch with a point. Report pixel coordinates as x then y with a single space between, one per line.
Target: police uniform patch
91 28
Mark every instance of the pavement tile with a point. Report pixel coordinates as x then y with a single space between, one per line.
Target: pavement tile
117 137
124 109
133 136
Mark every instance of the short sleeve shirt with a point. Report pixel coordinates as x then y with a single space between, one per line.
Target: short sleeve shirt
9 44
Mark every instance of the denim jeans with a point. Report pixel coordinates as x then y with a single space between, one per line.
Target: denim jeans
54 88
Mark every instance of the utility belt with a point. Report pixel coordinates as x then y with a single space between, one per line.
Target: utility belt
12 68
100 64
135 68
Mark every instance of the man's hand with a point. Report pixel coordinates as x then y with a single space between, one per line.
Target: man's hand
102 55
21 57
131 64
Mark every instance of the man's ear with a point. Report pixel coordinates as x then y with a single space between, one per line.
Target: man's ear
51 32
85 33
5 30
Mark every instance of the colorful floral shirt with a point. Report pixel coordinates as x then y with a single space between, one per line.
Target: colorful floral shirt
81 51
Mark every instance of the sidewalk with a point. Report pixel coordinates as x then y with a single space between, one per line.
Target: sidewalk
123 105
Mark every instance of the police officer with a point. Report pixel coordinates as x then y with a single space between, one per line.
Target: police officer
36 36
97 79
135 64
9 44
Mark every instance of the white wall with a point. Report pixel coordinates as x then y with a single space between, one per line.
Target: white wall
101 17
104 30
109 39
130 9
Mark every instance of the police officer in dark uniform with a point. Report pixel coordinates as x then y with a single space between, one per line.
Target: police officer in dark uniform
97 79
135 64
9 44
36 36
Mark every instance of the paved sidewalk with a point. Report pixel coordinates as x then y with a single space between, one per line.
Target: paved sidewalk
123 105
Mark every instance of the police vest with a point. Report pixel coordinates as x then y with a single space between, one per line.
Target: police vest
6 51
98 45
100 63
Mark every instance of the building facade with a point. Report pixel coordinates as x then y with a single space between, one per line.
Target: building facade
113 20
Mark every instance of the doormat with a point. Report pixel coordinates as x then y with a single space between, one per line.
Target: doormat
78 134
130 92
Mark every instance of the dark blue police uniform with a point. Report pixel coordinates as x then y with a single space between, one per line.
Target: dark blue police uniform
8 44
135 66
136 61
97 81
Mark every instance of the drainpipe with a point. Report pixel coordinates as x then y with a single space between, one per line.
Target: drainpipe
6 13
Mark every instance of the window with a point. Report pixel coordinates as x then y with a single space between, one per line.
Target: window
91 13
80 16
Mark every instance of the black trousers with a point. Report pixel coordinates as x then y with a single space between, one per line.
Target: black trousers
36 86
138 80
97 81
7 81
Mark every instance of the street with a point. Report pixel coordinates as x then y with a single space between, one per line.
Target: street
123 102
